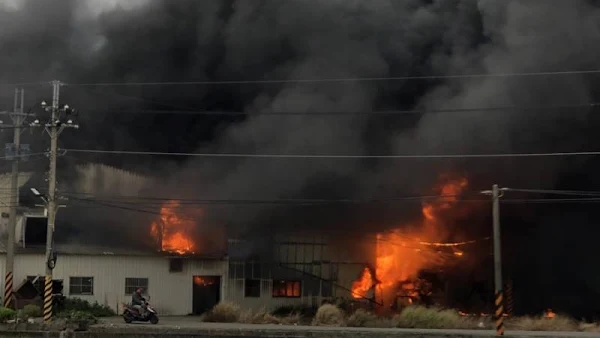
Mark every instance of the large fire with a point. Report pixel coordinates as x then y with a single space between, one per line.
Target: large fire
173 232
361 286
402 253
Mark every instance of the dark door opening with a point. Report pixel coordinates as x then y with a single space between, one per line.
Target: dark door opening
206 293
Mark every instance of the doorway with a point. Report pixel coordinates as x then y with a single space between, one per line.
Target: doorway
206 293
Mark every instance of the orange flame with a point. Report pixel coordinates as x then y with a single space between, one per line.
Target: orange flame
402 253
549 314
198 280
361 286
172 231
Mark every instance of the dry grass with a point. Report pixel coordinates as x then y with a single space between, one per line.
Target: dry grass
224 312
558 323
262 316
328 315
363 318
430 318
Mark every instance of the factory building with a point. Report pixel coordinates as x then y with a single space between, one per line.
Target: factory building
182 285
291 270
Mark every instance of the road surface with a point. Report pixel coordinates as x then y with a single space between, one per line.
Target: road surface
173 325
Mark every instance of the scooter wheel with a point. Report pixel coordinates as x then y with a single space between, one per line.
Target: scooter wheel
154 320
127 319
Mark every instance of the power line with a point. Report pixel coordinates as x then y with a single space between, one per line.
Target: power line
349 113
557 192
133 200
19 156
550 200
22 84
338 80
332 156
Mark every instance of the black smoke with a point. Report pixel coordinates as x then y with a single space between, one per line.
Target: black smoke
91 41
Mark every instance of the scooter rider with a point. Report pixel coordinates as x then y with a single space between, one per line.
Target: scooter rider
138 301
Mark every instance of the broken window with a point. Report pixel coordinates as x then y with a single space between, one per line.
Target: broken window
286 288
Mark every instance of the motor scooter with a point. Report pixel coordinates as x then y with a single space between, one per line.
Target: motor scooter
131 314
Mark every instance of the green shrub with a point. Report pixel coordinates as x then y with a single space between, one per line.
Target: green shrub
95 309
224 312
32 311
428 318
328 315
7 314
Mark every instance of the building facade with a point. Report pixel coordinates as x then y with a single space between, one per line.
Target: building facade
177 286
303 271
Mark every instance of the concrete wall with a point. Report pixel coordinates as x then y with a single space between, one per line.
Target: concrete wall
171 292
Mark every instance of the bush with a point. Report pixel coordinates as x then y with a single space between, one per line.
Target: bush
302 311
361 318
224 312
328 315
260 317
7 314
95 309
428 318
32 311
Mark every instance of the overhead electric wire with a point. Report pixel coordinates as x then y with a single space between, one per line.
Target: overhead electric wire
557 192
333 156
20 156
336 80
549 200
133 200
346 113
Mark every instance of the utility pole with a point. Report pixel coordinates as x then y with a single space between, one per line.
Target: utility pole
17 117
496 193
54 127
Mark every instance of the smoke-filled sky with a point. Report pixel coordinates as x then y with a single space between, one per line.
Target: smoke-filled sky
90 41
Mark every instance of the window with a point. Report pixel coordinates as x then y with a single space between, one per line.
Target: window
326 289
252 288
283 288
132 284
81 285
38 282
175 265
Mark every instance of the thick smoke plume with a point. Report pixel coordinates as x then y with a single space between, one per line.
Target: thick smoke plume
82 41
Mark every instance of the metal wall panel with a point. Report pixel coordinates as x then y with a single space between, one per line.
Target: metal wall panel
171 292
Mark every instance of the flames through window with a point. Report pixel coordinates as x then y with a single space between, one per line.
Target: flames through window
173 231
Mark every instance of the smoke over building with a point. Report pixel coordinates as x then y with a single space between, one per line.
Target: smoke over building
93 41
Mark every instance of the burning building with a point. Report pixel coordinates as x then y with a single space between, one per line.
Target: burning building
187 270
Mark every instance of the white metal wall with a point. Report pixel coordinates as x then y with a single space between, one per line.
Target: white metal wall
171 292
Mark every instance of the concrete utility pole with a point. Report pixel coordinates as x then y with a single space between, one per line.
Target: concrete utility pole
17 117
54 128
496 193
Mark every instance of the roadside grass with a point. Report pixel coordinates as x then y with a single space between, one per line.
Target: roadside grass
227 312
417 317
541 323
